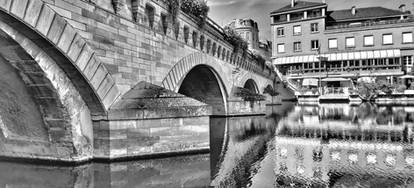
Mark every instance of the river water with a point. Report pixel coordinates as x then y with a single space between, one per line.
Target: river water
330 145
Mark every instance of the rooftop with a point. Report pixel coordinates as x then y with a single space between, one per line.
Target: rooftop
298 5
363 13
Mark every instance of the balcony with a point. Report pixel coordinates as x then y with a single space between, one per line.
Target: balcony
367 24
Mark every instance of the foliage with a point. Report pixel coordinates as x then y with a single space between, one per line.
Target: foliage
196 8
369 91
235 39
401 88
269 90
173 10
259 58
314 90
248 95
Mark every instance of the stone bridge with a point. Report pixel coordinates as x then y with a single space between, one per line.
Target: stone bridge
113 79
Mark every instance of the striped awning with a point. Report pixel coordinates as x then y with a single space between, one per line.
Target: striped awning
376 54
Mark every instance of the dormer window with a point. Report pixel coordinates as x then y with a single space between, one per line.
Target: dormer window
314 13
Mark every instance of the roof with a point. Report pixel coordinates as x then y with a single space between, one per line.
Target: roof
363 13
298 5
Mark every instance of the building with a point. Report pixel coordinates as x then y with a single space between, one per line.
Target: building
249 31
317 47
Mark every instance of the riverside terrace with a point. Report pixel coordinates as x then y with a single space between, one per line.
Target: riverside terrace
115 80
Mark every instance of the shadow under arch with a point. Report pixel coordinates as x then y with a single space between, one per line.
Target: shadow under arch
204 84
251 86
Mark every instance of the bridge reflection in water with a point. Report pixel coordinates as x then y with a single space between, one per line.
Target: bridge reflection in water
307 146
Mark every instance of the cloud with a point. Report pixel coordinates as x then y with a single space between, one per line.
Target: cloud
220 3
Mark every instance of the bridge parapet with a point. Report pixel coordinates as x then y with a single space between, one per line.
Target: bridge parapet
136 41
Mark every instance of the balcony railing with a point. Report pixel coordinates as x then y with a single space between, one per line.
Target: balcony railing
335 90
368 24
344 70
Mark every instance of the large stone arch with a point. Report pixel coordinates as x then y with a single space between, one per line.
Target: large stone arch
39 23
204 84
210 76
176 75
42 115
59 75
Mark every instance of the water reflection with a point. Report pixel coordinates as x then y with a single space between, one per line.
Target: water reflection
295 146
345 146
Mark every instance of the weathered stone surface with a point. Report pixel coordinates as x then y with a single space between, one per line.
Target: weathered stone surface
5 4
107 54
19 7
45 20
33 12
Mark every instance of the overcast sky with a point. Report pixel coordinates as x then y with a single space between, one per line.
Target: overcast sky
223 11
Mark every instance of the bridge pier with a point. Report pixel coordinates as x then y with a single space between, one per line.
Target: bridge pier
150 120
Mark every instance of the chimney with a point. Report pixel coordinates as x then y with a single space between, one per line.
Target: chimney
353 10
402 8
293 3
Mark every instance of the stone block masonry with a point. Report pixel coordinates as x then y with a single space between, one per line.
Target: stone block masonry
115 69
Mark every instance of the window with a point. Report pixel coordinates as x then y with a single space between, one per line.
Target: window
333 43
314 44
297 46
186 34
386 39
280 32
314 27
407 37
407 60
369 40
350 42
150 12
281 48
297 30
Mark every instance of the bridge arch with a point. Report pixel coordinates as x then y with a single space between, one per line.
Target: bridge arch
183 79
204 84
37 22
56 77
251 85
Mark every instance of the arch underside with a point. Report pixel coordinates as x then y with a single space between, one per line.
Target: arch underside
251 86
42 115
203 84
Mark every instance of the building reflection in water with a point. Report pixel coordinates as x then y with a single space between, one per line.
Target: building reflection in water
339 145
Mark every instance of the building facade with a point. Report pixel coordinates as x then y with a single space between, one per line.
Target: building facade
314 46
249 31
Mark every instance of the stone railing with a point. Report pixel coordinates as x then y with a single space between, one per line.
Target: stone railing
209 39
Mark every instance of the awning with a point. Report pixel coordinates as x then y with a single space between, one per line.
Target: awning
335 80
373 54
310 82
406 76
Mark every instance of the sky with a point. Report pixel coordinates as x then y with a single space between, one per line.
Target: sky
223 11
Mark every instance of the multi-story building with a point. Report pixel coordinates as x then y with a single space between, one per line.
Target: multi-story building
314 46
249 31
